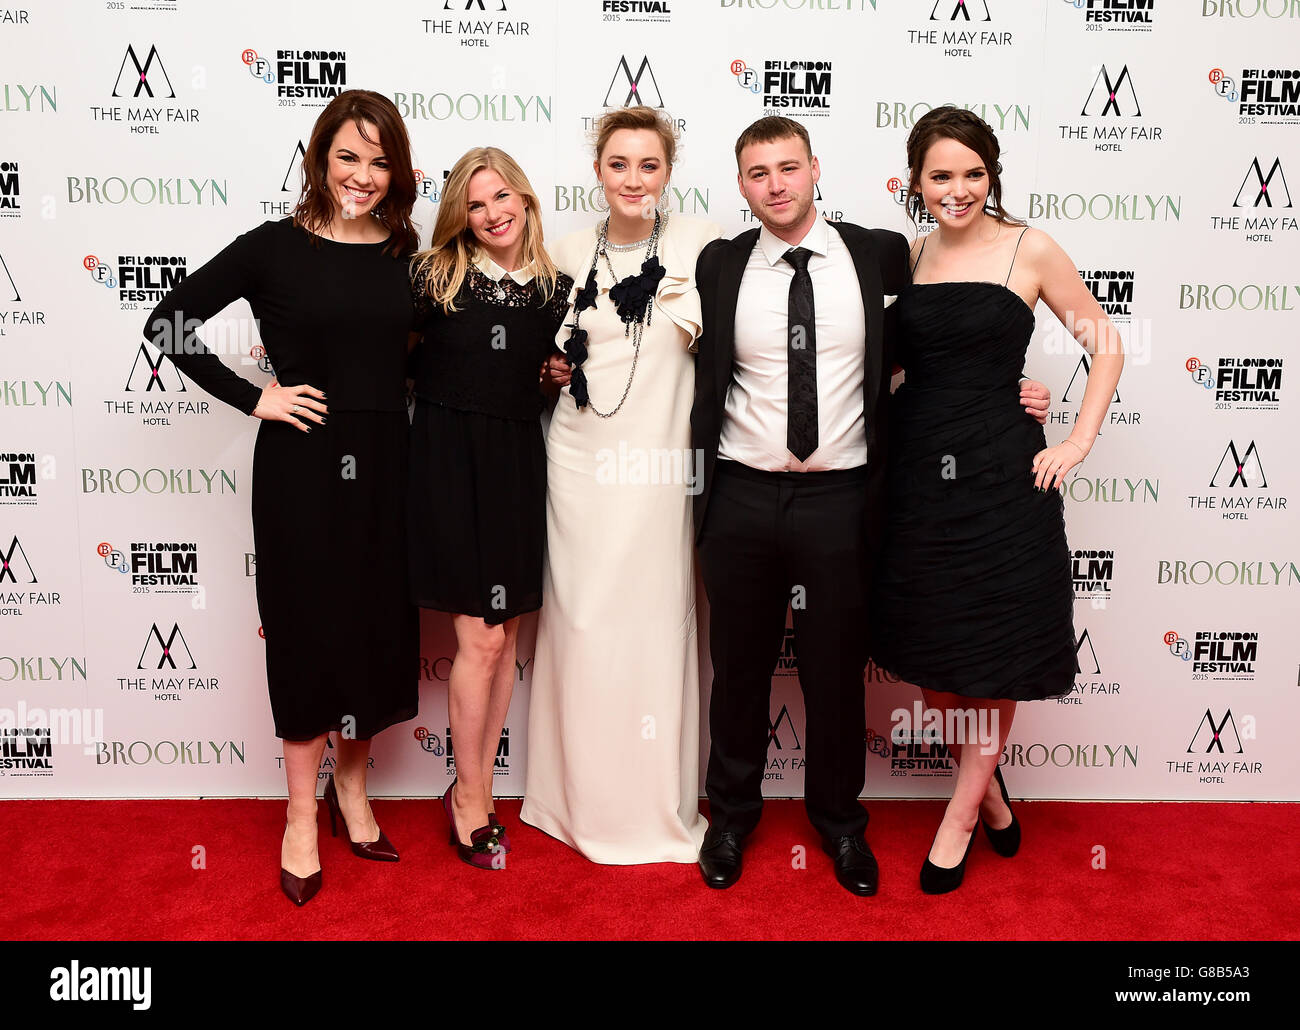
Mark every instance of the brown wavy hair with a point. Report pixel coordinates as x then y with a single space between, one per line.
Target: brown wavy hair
968 129
454 247
316 205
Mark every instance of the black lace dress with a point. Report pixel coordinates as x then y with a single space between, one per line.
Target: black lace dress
478 458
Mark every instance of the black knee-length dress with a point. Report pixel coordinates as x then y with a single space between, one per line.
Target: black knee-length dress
973 593
329 506
478 459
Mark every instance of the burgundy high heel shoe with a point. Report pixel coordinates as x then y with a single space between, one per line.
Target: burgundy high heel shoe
380 850
484 850
299 889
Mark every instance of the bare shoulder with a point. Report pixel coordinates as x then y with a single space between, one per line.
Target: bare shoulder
1039 249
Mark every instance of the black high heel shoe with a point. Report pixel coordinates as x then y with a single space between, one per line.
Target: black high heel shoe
937 879
379 850
1006 841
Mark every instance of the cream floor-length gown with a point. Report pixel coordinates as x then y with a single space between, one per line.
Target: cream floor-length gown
614 709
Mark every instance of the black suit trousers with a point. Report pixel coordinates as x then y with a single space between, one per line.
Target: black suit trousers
772 540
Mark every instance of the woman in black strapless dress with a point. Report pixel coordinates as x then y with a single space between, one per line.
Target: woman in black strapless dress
974 594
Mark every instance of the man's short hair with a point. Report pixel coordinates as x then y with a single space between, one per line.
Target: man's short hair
769 130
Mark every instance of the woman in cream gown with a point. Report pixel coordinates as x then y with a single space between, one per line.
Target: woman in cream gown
614 711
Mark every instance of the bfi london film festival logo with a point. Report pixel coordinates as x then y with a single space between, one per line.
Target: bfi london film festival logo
26 751
310 78
25 316
428 187
140 280
472 31
1089 680
19 478
788 87
500 763
165 659
1260 208
967 30
1112 288
634 12
1239 384
1116 15
145 94
1241 485
1263 96
282 202
21 591
784 748
1218 749
10 190
1093 573
160 567
919 753
1115 117
926 223
1216 654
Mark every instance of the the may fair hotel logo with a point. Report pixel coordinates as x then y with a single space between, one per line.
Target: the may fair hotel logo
1111 116
1238 488
1115 15
1262 96
15 312
22 590
633 82
143 97
306 78
960 29
476 23
1262 209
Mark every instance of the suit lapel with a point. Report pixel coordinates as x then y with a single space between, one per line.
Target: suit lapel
732 271
873 305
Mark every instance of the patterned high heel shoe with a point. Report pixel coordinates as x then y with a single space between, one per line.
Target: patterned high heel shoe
484 850
502 837
380 850
1006 841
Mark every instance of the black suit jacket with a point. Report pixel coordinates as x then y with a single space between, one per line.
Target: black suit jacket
881 260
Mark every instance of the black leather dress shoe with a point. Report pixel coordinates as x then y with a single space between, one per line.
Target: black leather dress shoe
855 865
720 858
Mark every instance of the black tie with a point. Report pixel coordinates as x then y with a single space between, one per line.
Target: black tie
801 352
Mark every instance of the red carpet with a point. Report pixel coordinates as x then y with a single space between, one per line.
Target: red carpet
89 870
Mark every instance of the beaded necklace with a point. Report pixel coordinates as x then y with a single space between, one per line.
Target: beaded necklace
633 298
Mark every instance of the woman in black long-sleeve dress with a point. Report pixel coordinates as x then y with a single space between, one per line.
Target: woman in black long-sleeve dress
490 302
329 288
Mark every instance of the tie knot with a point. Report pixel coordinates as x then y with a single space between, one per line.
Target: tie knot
798 256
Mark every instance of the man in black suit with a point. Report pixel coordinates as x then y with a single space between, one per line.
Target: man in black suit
792 383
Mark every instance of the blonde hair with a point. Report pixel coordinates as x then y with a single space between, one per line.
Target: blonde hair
453 247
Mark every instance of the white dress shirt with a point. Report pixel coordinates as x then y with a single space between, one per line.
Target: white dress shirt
754 422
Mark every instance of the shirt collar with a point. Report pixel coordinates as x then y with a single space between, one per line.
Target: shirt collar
773 247
522 276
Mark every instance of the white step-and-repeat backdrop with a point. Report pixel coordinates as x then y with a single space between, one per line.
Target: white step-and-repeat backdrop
1156 141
